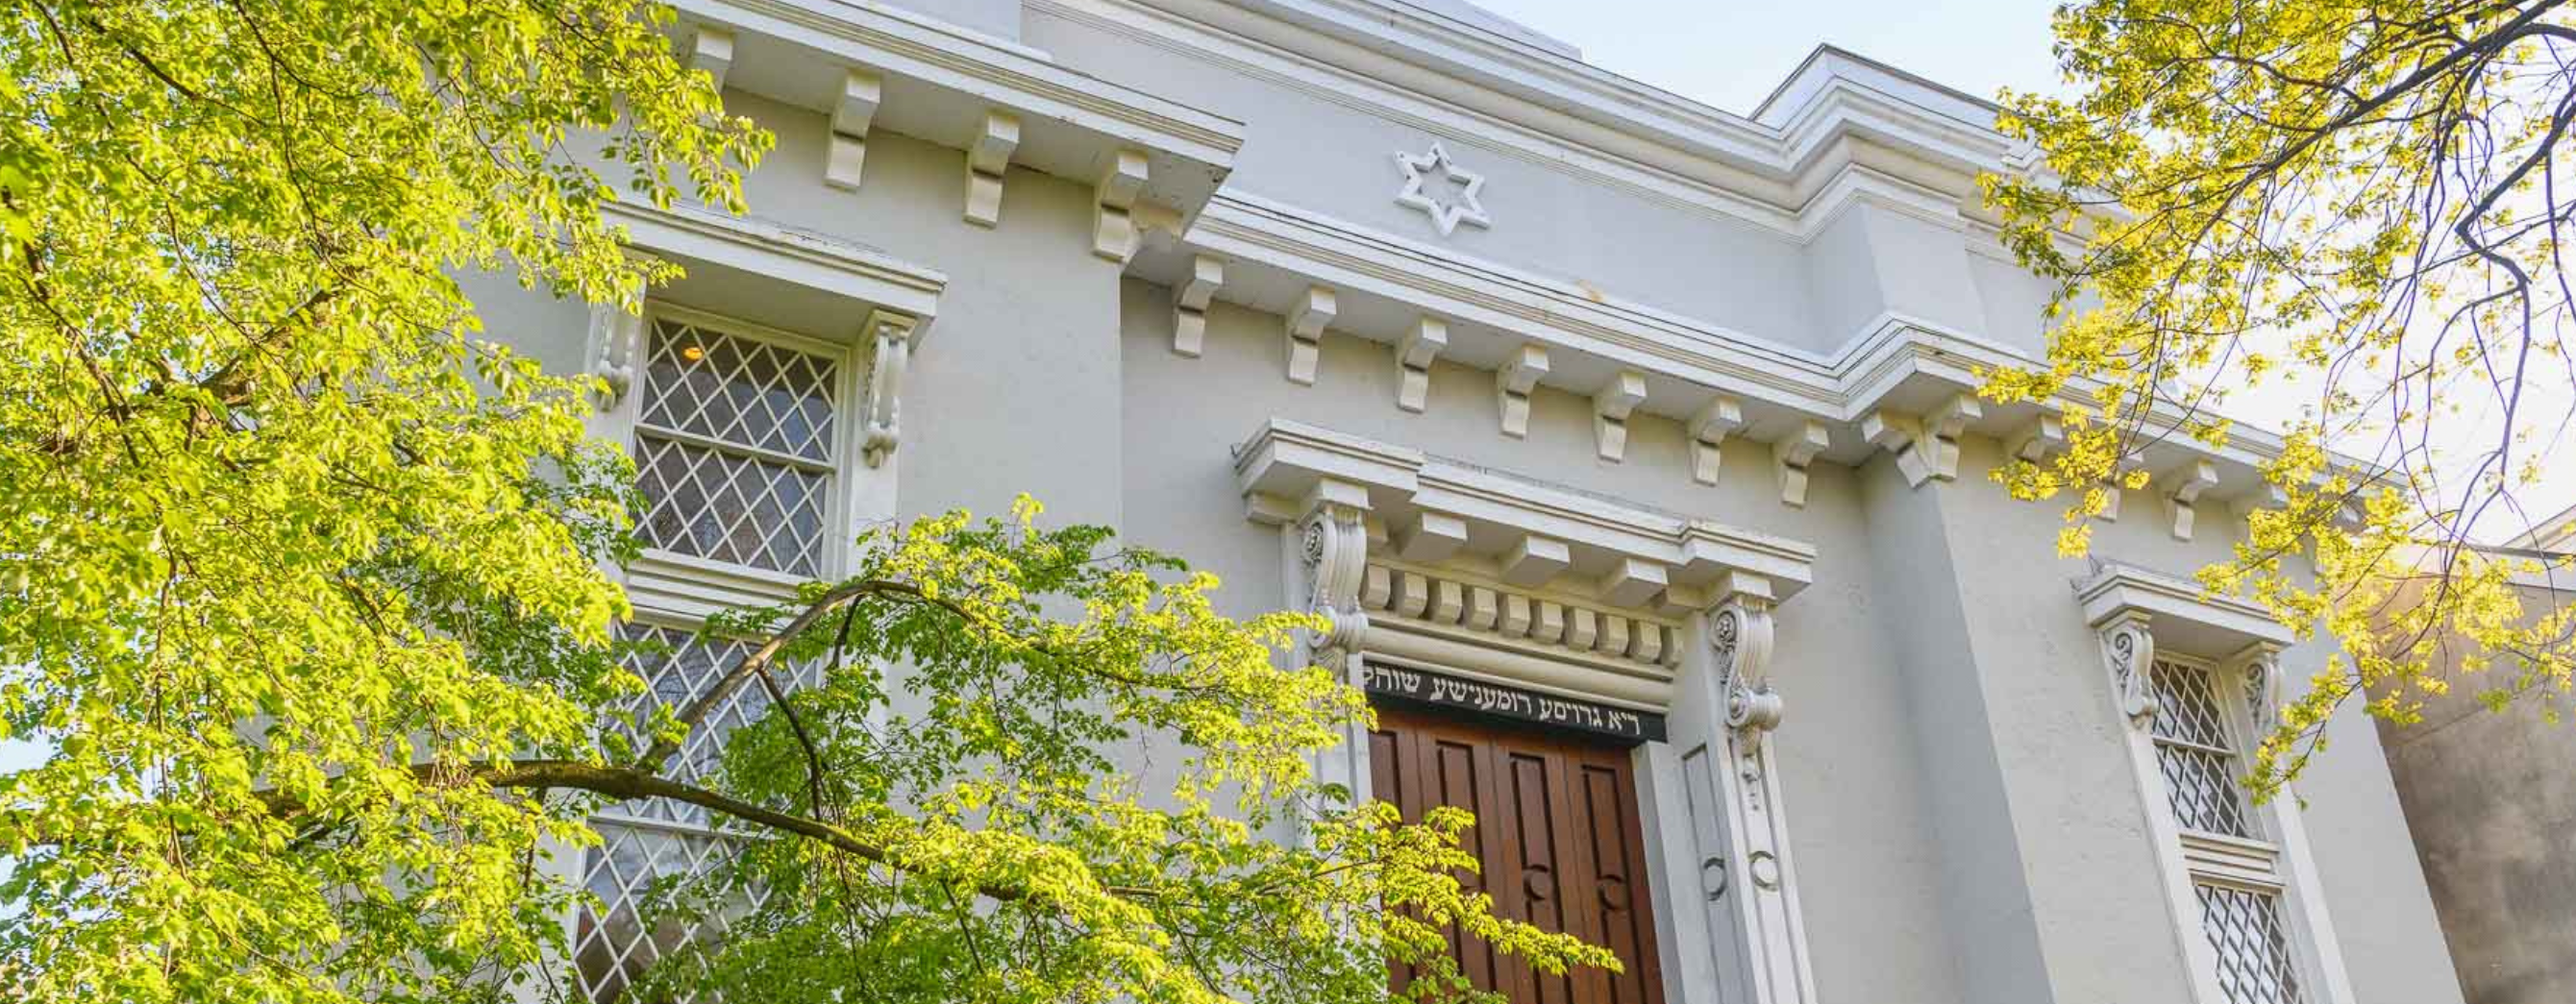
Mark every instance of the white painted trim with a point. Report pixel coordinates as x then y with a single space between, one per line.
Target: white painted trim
2114 588
673 585
777 251
1014 76
2120 598
1285 460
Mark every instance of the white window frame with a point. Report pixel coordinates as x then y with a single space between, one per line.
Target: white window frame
692 587
2145 617
891 304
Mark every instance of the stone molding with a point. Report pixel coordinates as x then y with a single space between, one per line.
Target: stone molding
773 250
941 83
1892 358
1285 460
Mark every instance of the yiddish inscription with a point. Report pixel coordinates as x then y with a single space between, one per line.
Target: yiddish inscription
1441 690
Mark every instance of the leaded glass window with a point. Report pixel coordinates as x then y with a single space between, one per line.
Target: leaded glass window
2193 751
649 844
735 447
2255 965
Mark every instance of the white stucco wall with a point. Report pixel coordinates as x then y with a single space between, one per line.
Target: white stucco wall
1966 824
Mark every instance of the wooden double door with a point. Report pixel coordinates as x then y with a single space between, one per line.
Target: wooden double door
1557 836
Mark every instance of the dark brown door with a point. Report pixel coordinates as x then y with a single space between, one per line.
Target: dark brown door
1556 832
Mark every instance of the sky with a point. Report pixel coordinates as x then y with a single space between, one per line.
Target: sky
1730 53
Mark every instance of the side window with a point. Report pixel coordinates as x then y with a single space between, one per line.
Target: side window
736 447
738 439
2237 885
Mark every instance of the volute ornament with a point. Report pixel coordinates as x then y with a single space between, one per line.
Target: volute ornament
2129 653
2262 668
1740 632
1334 549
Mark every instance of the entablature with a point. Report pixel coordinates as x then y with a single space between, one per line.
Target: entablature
1531 533
872 67
1896 383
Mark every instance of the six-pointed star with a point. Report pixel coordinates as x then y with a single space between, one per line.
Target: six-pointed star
1446 216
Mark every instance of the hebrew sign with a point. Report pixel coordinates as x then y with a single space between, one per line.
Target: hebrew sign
1565 713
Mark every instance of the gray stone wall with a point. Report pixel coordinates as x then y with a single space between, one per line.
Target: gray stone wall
2489 799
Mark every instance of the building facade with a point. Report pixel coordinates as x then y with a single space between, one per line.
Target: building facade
2490 798
1628 444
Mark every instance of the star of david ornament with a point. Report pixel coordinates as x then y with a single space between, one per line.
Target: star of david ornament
1455 201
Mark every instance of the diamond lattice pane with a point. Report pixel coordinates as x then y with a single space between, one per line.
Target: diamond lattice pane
728 507
685 668
2254 962
2201 787
2193 752
708 383
617 937
2186 705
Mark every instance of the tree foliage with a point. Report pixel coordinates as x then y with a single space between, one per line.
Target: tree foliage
302 591
2350 205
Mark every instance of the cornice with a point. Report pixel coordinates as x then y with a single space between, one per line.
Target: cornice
1633 172
1284 461
1499 63
1887 354
1017 76
2210 626
1462 82
768 248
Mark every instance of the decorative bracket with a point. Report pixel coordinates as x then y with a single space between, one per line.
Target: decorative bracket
1925 447
1513 382
2043 438
1611 406
988 158
880 419
1413 363
2260 663
2180 488
1113 229
852 115
1709 427
1333 546
2129 654
1632 582
1740 631
2264 496
1791 454
618 334
1432 539
1190 303
1306 323
1534 559
711 49
2113 488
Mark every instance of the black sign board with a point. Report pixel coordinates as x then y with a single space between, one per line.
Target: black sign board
1441 690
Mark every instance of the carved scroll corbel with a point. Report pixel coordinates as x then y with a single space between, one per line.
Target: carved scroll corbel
617 338
880 417
1333 546
1747 877
2261 665
1740 632
2129 654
